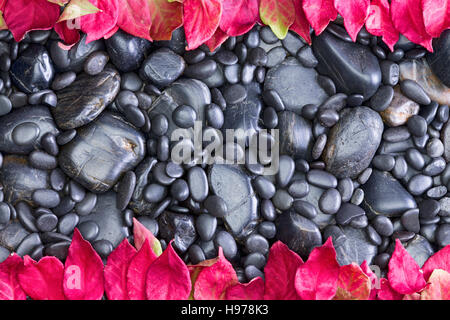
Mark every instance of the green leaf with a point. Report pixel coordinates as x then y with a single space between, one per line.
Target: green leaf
279 15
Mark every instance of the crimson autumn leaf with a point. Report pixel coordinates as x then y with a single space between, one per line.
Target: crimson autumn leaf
373 279
168 277
3 25
68 36
354 13
97 25
279 271
353 283
201 19
404 274
238 16
116 271
407 17
254 290
42 280
216 40
414 296
135 18
59 2
438 287
212 282
194 271
141 233
301 24
436 16
166 17
22 16
439 260
279 15
317 278
10 288
83 271
319 13
379 22
386 292
137 271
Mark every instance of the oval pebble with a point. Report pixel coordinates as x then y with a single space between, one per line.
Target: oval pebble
25 133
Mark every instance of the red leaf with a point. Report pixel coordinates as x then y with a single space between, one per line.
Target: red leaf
216 40
116 271
404 274
22 16
213 281
42 280
141 233
166 17
68 35
407 17
379 22
254 290
280 273
301 24
168 277
354 13
279 15
134 17
319 13
438 287
436 16
201 20
386 292
238 16
353 283
83 271
137 272
9 284
373 279
439 260
97 25
317 278
194 271
414 296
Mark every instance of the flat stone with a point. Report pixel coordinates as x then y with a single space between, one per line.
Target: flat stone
355 247
84 100
12 235
296 85
101 152
162 67
296 139
439 59
352 142
399 110
420 249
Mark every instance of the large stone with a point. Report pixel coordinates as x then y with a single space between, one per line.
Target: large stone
353 67
420 71
38 115
102 151
400 109
33 70
12 235
296 138
162 67
353 141
126 51
420 249
355 246
384 195
296 85
20 180
439 60
177 227
84 100
233 185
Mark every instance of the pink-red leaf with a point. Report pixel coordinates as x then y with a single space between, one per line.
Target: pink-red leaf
216 40
379 22
407 17
354 13
213 281
301 24
404 274
168 277
439 260
373 279
353 283
116 271
137 272
254 290
69 36
10 288
166 17
97 25
279 15
238 16
141 233
135 18
386 292
317 278
319 13
194 271
42 280
280 273
83 272
22 16
201 20
436 16
438 287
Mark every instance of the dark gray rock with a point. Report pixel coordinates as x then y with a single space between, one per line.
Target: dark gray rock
12 235
420 249
439 59
177 227
162 67
296 138
355 247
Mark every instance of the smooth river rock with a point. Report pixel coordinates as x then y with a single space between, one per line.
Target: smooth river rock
355 246
440 58
399 110
296 138
353 141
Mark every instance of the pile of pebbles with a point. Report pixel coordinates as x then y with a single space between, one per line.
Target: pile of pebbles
364 137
